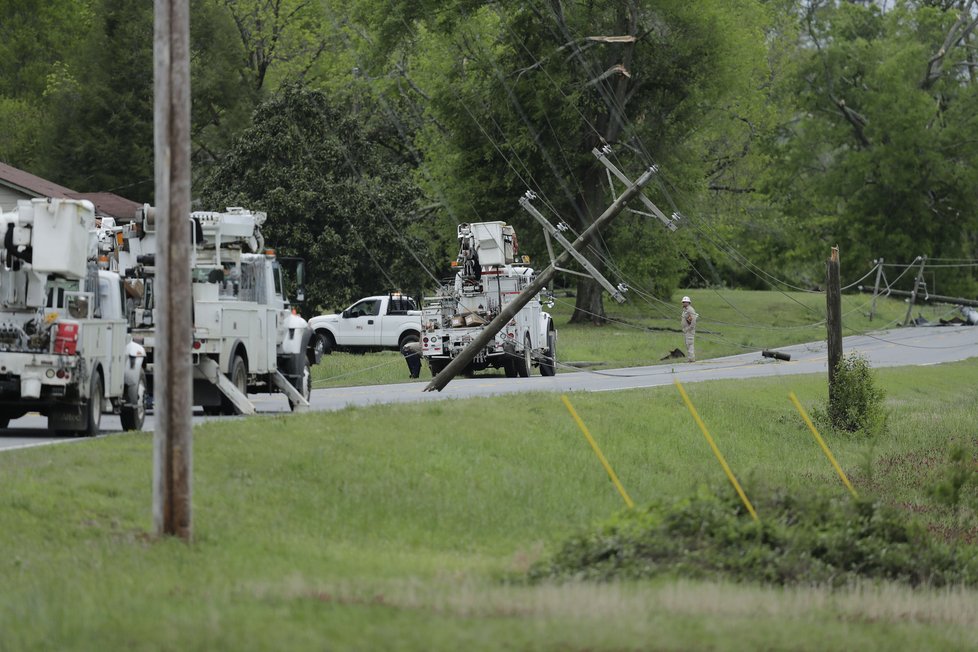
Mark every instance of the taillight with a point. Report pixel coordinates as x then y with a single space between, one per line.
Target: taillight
197 345
66 338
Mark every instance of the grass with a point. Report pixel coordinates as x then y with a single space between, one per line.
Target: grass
641 333
392 527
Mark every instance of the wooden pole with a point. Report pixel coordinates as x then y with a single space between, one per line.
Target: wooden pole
913 294
833 317
172 442
876 290
462 360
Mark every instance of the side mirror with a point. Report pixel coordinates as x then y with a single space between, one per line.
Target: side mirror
345 313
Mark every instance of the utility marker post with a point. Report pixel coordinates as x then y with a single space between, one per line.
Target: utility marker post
876 288
463 359
833 317
916 284
172 441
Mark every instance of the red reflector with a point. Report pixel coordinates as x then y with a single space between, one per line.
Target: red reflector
61 373
196 344
426 340
66 338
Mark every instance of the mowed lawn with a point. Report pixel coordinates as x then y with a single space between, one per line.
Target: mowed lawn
403 527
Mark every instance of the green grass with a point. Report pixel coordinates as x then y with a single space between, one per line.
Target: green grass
731 322
391 527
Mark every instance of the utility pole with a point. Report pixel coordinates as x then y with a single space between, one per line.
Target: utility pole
876 290
833 318
916 285
463 359
172 441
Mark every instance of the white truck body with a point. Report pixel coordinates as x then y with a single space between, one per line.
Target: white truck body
487 280
65 350
372 323
246 337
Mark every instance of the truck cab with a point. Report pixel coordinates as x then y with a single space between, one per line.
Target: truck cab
373 323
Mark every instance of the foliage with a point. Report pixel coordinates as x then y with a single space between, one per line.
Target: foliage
802 539
875 153
517 94
333 194
956 484
856 401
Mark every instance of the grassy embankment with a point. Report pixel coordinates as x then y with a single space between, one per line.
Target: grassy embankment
638 333
390 527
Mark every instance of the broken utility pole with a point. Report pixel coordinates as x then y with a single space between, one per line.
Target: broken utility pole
462 360
916 286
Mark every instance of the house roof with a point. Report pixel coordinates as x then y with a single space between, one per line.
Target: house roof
106 203
30 184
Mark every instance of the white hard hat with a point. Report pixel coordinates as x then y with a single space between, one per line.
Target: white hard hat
686 300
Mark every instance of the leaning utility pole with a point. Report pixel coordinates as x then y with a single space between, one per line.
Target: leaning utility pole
172 442
876 289
463 359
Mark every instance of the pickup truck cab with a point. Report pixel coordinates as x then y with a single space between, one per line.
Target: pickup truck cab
371 324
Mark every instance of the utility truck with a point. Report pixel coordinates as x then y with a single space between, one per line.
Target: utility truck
65 351
247 338
488 276
372 323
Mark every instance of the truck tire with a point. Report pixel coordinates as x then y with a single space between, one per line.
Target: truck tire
4 421
302 380
239 377
329 343
408 338
549 366
133 411
92 409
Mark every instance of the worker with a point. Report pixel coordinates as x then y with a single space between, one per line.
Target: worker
688 321
412 355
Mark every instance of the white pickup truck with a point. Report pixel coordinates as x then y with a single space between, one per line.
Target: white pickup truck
371 324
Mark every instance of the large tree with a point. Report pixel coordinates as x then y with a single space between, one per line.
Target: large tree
334 195
878 154
516 94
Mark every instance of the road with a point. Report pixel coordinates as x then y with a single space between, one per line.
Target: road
900 347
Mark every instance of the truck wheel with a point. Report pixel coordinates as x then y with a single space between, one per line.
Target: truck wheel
549 366
303 382
92 410
4 421
408 338
239 378
133 411
328 342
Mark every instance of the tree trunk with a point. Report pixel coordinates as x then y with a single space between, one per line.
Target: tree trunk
589 307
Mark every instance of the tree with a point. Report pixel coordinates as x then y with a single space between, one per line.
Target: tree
877 155
333 195
516 95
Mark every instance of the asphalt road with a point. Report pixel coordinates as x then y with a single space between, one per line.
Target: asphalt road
919 346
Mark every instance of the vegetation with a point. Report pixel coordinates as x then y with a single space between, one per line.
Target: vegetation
856 401
397 526
805 539
780 128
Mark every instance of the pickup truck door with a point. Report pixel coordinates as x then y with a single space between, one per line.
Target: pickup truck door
360 323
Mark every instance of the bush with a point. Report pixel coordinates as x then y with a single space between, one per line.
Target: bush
856 402
814 539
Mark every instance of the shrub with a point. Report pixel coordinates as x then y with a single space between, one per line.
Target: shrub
856 402
812 539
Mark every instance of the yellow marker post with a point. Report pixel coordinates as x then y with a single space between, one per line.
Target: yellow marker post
597 451
716 451
821 442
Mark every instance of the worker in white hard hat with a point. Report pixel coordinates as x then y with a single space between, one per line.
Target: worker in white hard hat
688 321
